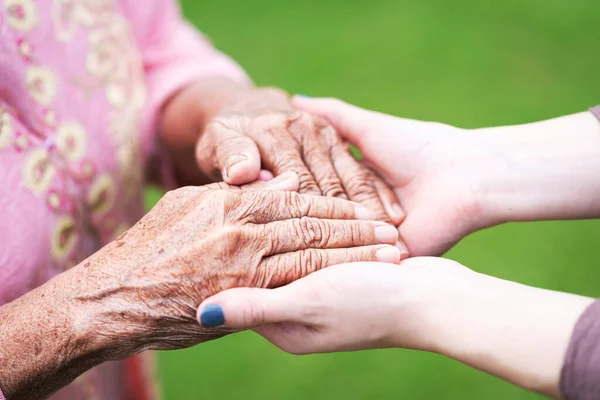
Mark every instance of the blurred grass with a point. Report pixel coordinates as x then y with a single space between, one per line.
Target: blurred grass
468 62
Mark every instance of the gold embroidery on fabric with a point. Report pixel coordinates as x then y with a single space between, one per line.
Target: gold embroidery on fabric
71 140
69 15
6 129
38 170
42 84
102 195
64 237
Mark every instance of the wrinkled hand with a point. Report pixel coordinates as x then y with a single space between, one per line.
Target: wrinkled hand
436 170
259 127
198 241
347 307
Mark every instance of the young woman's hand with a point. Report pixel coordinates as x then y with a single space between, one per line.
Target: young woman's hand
451 182
434 169
515 332
344 307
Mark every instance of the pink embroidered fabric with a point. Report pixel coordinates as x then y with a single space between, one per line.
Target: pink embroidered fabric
81 86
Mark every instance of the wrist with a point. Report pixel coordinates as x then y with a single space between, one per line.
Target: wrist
512 331
32 365
436 286
543 170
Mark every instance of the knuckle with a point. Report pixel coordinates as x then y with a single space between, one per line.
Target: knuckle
251 207
272 122
331 187
294 203
288 159
308 261
252 314
301 118
308 185
357 233
313 232
330 137
361 186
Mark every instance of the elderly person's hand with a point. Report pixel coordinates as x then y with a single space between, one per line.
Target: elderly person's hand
141 291
242 129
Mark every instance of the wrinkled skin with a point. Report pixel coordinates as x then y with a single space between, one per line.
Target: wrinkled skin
251 128
199 241
142 290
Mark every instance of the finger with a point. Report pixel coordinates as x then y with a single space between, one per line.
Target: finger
390 201
265 175
268 206
224 149
287 182
350 121
244 308
316 154
284 268
358 182
280 152
305 233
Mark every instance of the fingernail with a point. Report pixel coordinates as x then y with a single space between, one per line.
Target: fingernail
386 234
231 162
398 212
280 178
361 212
212 316
389 254
304 96
265 176
404 253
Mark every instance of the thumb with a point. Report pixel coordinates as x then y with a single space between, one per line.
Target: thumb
244 308
352 123
224 148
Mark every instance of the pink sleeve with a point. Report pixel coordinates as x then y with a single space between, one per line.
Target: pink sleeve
1 395
174 53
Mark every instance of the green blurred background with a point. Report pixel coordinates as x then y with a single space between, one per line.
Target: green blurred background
470 63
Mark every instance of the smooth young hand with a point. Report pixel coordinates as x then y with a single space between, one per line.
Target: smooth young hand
451 181
515 332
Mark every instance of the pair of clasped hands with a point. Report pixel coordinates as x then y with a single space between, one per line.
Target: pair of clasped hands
324 230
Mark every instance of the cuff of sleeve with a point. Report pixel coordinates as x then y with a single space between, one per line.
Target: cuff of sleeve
581 368
596 111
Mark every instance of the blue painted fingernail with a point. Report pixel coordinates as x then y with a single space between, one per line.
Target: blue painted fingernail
212 316
303 95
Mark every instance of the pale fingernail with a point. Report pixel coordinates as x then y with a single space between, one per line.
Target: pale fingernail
389 254
361 212
397 211
282 182
281 178
404 253
265 175
232 162
386 234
